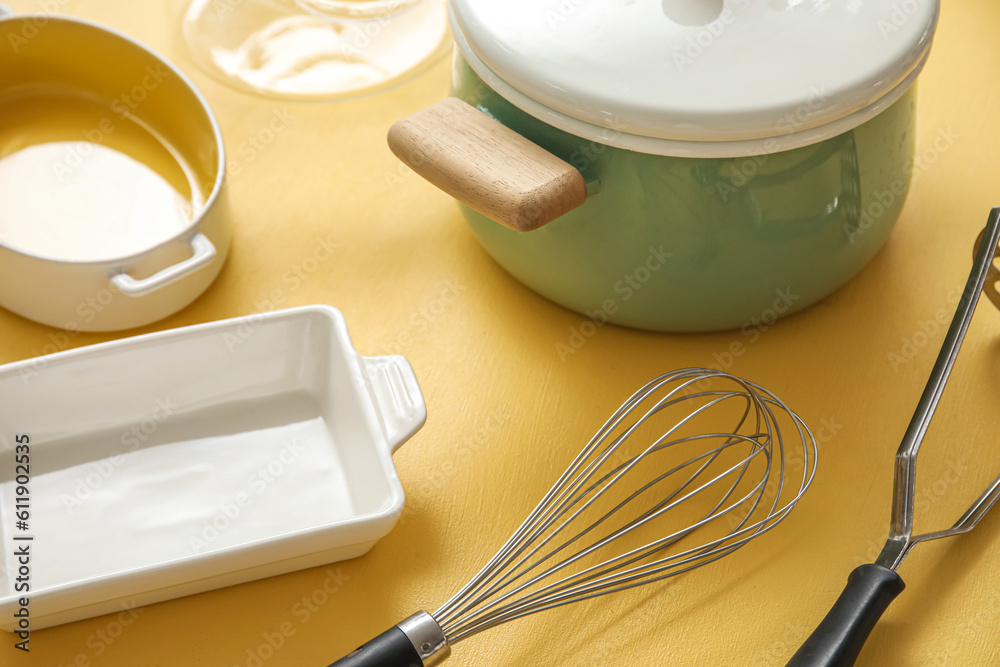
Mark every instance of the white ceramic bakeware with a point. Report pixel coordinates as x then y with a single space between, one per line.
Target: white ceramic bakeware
182 461
113 206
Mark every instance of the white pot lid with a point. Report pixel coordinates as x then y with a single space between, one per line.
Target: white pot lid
698 77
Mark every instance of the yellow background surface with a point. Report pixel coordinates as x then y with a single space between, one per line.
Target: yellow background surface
506 413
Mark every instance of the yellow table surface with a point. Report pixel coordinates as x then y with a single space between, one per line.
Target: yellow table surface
506 413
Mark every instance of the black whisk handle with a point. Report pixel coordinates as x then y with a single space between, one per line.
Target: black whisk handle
838 639
392 648
416 642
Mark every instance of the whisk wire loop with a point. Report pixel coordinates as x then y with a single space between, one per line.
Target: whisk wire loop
538 569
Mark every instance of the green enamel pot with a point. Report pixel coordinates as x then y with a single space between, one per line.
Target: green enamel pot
663 242
705 244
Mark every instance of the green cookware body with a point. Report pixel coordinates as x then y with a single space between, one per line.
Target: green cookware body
704 244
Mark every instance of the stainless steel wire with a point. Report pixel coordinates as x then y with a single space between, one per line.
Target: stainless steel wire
624 488
983 277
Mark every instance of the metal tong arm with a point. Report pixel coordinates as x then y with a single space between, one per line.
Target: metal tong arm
870 590
901 538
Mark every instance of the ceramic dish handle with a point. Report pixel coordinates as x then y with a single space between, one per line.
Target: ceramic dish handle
487 166
397 397
204 253
5 10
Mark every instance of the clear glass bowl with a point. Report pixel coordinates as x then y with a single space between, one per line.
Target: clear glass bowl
316 49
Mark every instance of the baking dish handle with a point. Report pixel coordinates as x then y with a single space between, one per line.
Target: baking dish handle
398 399
5 10
204 253
487 166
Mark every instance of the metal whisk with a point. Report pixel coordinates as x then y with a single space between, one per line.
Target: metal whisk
642 502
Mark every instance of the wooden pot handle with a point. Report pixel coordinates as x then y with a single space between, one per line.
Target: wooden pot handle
486 165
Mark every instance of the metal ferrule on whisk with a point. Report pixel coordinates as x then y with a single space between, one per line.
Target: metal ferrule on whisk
427 638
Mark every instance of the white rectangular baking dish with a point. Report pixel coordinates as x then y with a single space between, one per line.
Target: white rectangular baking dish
182 461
